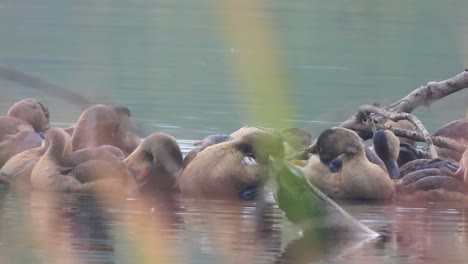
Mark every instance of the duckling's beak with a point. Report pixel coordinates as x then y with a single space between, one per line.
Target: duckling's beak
393 169
336 164
42 133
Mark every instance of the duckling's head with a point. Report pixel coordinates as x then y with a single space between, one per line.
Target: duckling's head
33 112
59 144
261 143
336 143
156 162
387 147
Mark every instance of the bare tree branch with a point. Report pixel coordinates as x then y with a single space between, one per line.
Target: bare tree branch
424 95
371 109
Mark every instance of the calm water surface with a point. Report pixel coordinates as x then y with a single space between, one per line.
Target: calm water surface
176 65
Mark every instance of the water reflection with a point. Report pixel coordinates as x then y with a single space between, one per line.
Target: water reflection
71 228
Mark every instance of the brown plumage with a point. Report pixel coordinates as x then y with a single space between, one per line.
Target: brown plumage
456 130
33 112
104 125
17 170
235 169
357 178
156 163
55 170
11 145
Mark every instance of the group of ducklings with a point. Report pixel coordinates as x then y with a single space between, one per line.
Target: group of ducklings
101 153
343 166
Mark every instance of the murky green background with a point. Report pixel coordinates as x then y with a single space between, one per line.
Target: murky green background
173 63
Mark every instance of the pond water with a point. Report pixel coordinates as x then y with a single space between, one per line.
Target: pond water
78 229
193 68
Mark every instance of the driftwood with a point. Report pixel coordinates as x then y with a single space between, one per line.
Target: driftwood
370 117
424 95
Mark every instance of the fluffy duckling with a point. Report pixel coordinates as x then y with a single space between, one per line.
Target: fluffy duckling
424 175
23 116
17 170
235 169
53 171
341 169
104 125
156 163
33 112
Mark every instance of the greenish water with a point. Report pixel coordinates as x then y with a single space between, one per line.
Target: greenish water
172 62
175 65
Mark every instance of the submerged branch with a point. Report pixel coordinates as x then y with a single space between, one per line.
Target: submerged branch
29 80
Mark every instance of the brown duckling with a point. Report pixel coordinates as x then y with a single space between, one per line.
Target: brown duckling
17 170
104 125
25 115
156 163
235 169
33 112
431 179
53 171
341 169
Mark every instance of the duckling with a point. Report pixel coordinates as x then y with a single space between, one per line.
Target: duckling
25 115
408 150
33 112
341 169
235 169
156 163
17 170
104 125
53 171
430 174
